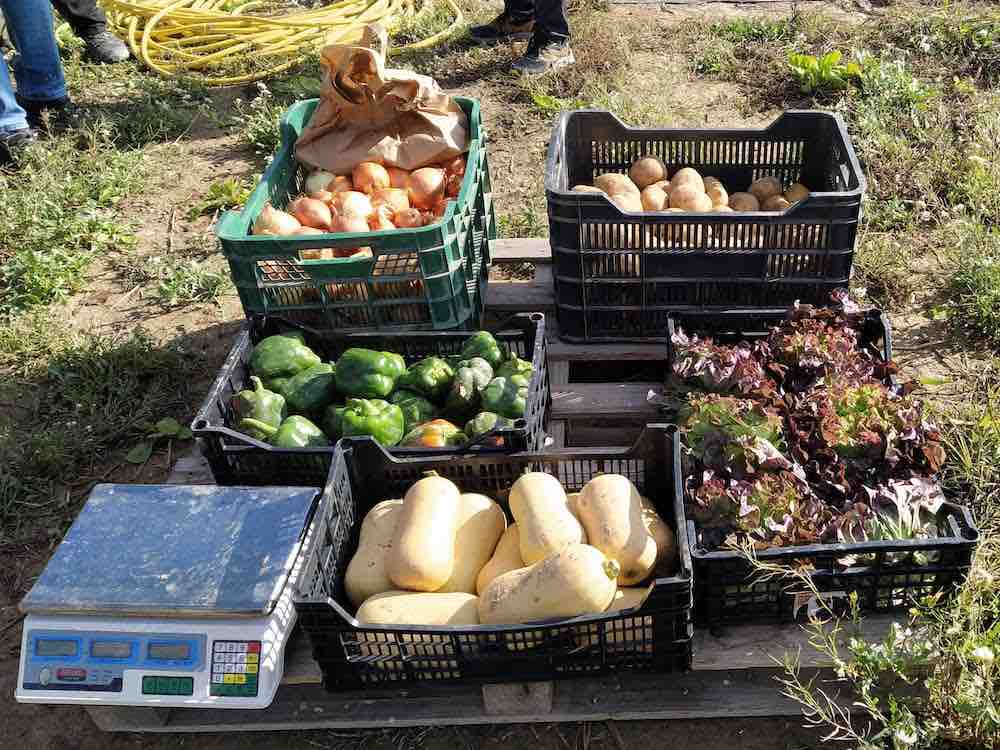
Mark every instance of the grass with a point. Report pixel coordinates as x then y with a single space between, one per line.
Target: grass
175 281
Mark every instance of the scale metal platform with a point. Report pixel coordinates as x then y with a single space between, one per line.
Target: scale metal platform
168 596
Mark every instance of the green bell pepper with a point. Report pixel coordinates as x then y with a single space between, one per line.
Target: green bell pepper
484 422
416 409
311 390
430 377
364 373
507 396
514 366
438 433
482 344
361 416
298 432
278 385
464 395
282 356
256 406
453 360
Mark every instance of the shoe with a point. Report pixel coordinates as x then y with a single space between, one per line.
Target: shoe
544 55
105 47
42 114
502 29
13 141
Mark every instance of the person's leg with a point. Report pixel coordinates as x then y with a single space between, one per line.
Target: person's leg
37 67
14 130
90 24
549 46
516 22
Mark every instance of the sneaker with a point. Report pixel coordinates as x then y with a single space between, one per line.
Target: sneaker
502 29
105 47
42 114
544 55
15 140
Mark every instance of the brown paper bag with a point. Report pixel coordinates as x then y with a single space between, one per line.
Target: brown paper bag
368 112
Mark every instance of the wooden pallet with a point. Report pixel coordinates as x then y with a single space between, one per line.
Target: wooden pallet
733 674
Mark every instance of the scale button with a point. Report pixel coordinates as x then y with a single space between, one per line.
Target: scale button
253 647
219 658
71 674
252 668
241 658
253 658
45 676
229 679
240 679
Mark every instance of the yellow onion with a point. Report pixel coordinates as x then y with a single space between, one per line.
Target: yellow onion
349 223
273 221
425 186
395 198
453 186
408 218
381 219
318 180
369 176
397 177
341 184
353 202
311 212
455 166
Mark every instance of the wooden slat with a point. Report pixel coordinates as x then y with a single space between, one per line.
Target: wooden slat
533 250
562 351
522 296
586 400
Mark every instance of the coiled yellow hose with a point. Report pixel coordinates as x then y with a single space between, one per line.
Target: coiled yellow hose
201 38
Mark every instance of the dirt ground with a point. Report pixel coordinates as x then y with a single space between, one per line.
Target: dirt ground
518 142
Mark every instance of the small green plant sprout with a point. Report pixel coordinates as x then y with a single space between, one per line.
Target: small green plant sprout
167 428
231 192
817 75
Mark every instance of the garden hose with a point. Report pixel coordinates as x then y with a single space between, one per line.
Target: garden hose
216 41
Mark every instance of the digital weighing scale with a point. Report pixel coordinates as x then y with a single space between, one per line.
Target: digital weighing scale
168 595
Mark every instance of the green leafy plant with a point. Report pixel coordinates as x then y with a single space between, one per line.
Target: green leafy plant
231 192
818 75
168 428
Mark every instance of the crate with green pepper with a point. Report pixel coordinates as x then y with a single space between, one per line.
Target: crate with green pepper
287 393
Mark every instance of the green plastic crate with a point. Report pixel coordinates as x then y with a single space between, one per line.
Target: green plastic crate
417 279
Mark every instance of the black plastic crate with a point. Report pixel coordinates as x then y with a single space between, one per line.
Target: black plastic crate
728 591
617 274
238 459
655 637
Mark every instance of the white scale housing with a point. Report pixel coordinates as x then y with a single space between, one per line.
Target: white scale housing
168 596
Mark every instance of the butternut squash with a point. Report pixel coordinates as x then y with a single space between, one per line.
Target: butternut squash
419 608
545 523
571 498
366 574
577 580
481 523
630 633
422 557
506 557
610 509
666 543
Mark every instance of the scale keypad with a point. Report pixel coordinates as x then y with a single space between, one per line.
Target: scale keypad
235 668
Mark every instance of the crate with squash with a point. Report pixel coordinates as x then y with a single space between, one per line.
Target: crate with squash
496 568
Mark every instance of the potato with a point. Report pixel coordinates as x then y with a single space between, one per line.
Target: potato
613 184
716 192
703 204
687 176
654 198
646 171
664 185
775 203
765 187
722 209
797 192
744 202
687 198
627 201
586 189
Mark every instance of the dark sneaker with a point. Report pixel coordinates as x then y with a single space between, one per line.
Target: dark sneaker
13 141
545 55
502 29
105 47
42 114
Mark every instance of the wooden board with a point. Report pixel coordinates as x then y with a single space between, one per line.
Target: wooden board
590 400
522 296
534 250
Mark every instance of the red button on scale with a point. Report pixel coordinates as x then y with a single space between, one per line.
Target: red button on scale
253 647
71 675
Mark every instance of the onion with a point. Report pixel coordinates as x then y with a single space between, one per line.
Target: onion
425 186
308 230
394 198
369 177
453 186
455 166
349 223
318 180
322 195
352 252
382 219
341 184
398 178
408 218
427 218
318 253
352 202
440 207
311 212
273 221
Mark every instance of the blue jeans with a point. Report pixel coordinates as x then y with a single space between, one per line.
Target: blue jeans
37 68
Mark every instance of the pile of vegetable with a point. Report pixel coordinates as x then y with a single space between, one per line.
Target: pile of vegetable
296 400
441 557
648 188
797 439
371 199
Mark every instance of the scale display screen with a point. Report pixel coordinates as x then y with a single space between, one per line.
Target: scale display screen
169 651
111 650
52 647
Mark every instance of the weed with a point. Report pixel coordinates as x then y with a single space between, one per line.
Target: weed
259 121
231 192
883 272
190 282
974 299
529 222
757 30
431 19
824 74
